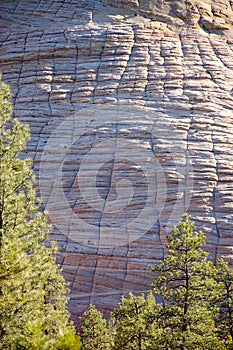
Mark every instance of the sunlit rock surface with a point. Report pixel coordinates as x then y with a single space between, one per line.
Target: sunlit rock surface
130 109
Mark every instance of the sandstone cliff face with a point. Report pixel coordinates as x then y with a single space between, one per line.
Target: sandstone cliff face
208 14
131 121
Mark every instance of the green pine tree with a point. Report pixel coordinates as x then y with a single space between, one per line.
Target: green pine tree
185 281
94 329
134 323
32 290
225 302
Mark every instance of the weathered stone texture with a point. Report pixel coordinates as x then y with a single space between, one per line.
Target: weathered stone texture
208 14
132 125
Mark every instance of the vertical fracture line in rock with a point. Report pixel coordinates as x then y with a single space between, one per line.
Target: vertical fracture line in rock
172 53
99 66
127 262
187 181
80 60
126 272
4 41
140 67
75 73
187 63
167 44
208 60
156 194
130 51
129 56
156 71
178 69
55 7
49 102
111 173
148 61
218 68
103 210
111 170
71 187
214 194
188 150
191 63
148 91
20 73
62 2
163 56
17 5
97 274
52 82
129 72
35 154
43 6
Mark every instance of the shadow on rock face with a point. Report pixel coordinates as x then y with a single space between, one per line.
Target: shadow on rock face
209 14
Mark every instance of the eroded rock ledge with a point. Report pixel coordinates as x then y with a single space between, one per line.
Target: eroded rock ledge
207 14
131 121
